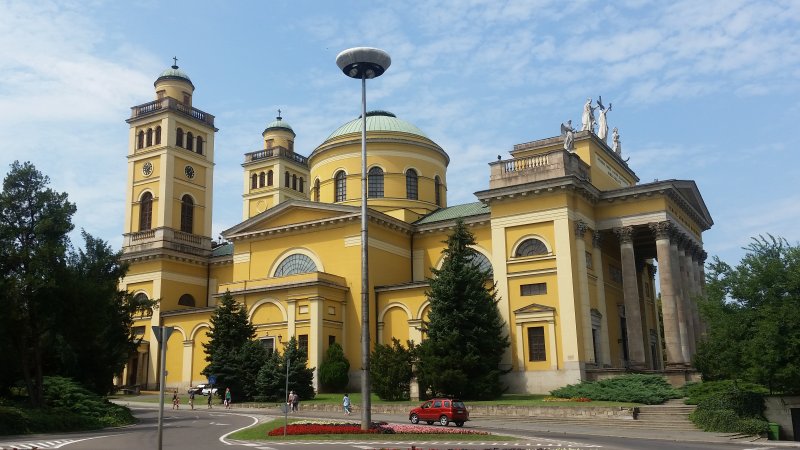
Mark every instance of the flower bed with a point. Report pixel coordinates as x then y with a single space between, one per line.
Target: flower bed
335 427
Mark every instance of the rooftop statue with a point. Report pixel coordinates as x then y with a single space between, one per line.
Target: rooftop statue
616 145
569 136
587 119
602 125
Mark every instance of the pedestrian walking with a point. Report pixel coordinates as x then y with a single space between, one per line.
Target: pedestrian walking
295 402
191 399
176 402
210 397
346 404
227 398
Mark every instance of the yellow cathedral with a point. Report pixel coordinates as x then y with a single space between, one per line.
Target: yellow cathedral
573 240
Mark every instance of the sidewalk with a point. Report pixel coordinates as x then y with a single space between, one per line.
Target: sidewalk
512 425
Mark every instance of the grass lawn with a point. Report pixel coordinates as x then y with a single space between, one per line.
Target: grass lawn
259 433
355 399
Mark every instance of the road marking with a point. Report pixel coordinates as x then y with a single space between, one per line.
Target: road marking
224 437
57 443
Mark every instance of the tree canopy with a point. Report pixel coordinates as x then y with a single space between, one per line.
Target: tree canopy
752 312
465 333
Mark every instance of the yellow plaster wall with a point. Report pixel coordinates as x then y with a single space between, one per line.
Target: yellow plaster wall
395 325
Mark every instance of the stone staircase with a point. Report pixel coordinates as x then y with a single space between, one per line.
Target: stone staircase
673 415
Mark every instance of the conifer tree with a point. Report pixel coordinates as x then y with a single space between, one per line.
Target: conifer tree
226 354
334 370
465 338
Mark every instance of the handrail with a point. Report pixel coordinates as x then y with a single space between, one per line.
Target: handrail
172 104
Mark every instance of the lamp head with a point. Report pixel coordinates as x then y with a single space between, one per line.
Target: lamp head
363 62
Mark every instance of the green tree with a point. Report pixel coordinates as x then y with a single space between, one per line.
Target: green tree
271 381
465 339
34 225
391 370
94 339
230 332
334 370
752 314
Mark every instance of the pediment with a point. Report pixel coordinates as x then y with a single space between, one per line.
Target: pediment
688 190
535 308
291 213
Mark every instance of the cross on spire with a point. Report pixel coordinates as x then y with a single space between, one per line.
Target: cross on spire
279 114
174 62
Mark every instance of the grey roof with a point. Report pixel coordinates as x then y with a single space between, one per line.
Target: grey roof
378 121
455 212
279 123
173 73
225 249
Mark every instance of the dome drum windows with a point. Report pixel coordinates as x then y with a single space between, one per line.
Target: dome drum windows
375 183
186 300
412 185
340 190
437 189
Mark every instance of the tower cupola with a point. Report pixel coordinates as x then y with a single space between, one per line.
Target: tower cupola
174 83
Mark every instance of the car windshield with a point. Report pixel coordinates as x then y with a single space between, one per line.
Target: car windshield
458 404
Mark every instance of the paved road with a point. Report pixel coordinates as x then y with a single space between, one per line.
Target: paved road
203 429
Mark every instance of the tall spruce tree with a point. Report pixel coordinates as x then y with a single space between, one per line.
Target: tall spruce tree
465 339
227 350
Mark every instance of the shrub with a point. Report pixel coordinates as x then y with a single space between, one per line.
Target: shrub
67 395
697 392
333 372
647 389
391 371
728 407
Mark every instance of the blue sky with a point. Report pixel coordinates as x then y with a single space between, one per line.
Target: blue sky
701 90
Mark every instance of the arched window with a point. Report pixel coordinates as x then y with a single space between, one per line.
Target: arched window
411 184
146 212
531 247
254 181
261 179
149 137
140 140
437 190
294 264
140 298
340 192
480 261
375 183
294 182
269 178
300 184
189 141
186 300
158 135
316 190
199 148
287 180
179 137
187 213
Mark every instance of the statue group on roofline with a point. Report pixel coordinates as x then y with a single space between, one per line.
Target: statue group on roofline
588 123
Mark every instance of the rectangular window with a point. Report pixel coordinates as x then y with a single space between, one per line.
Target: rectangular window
588 260
331 340
138 331
269 344
533 289
302 343
536 349
615 273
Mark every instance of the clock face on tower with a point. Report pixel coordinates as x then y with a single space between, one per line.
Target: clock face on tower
189 171
147 169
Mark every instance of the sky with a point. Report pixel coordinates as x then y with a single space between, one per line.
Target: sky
705 91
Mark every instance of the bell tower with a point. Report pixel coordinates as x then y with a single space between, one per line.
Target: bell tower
170 170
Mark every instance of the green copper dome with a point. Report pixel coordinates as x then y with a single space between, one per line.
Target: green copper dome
278 123
174 73
378 121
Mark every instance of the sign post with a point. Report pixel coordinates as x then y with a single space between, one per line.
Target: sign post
162 334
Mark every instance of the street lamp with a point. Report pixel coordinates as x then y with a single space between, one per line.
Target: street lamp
363 63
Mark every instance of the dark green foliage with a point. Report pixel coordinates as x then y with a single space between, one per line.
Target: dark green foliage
465 333
70 407
636 388
391 370
34 223
229 352
271 380
730 408
752 313
697 392
334 370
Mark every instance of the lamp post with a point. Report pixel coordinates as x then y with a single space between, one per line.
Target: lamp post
364 63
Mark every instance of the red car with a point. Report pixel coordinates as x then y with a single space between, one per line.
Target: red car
442 410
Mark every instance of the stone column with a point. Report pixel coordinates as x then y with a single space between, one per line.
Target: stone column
597 264
188 353
583 290
657 365
630 290
701 272
669 301
683 245
316 336
680 301
694 283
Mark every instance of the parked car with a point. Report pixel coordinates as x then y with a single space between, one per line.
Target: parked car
442 410
203 389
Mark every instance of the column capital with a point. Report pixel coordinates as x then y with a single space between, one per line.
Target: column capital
662 230
580 229
625 234
703 256
597 239
684 243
